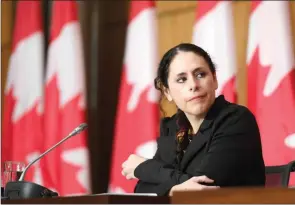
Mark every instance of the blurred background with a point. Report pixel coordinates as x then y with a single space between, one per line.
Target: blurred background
65 63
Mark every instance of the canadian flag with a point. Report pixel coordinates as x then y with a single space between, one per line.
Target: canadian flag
214 32
22 137
271 78
65 168
137 115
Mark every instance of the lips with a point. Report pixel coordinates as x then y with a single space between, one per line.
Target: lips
199 97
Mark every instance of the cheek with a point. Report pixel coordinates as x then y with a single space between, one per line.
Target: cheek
209 85
178 94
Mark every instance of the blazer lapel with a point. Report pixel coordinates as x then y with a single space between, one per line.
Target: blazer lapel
199 140
204 133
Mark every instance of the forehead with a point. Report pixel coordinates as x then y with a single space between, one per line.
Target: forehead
186 62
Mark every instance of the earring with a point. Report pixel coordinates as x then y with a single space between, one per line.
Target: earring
170 100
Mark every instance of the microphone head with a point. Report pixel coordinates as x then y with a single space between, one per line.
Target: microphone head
83 126
79 129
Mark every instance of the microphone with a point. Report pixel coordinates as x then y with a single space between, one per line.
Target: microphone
22 189
76 131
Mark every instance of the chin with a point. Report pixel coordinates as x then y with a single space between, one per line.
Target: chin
198 110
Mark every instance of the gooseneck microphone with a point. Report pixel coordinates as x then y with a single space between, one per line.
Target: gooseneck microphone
22 189
76 131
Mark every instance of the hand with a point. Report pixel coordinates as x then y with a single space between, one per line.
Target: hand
193 184
130 165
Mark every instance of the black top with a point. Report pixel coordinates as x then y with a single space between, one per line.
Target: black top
227 148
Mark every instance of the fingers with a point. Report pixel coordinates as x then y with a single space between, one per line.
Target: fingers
128 177
204 187
202 179
129 165
127 174
124 164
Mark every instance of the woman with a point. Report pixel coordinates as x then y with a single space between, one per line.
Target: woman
208 143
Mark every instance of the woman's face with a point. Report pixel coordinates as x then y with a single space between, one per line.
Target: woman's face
191 84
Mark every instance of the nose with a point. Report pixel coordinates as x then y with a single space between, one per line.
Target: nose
193 84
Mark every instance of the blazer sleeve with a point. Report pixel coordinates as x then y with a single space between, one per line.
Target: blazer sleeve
233 148
229 147
153 186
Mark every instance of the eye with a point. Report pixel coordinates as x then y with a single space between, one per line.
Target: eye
181 79
200 74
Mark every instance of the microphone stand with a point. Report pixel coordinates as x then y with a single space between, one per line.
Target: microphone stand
21 178
23 189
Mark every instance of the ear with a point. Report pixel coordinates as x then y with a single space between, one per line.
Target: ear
167 94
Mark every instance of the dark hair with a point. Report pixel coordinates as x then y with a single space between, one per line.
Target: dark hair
163 70
183 134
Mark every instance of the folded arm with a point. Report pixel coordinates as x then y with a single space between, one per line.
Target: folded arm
228 150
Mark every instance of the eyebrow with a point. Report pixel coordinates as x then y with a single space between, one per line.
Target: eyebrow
196 69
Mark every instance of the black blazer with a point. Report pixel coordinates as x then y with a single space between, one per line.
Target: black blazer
227 148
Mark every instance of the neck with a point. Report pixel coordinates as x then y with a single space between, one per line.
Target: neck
195 121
